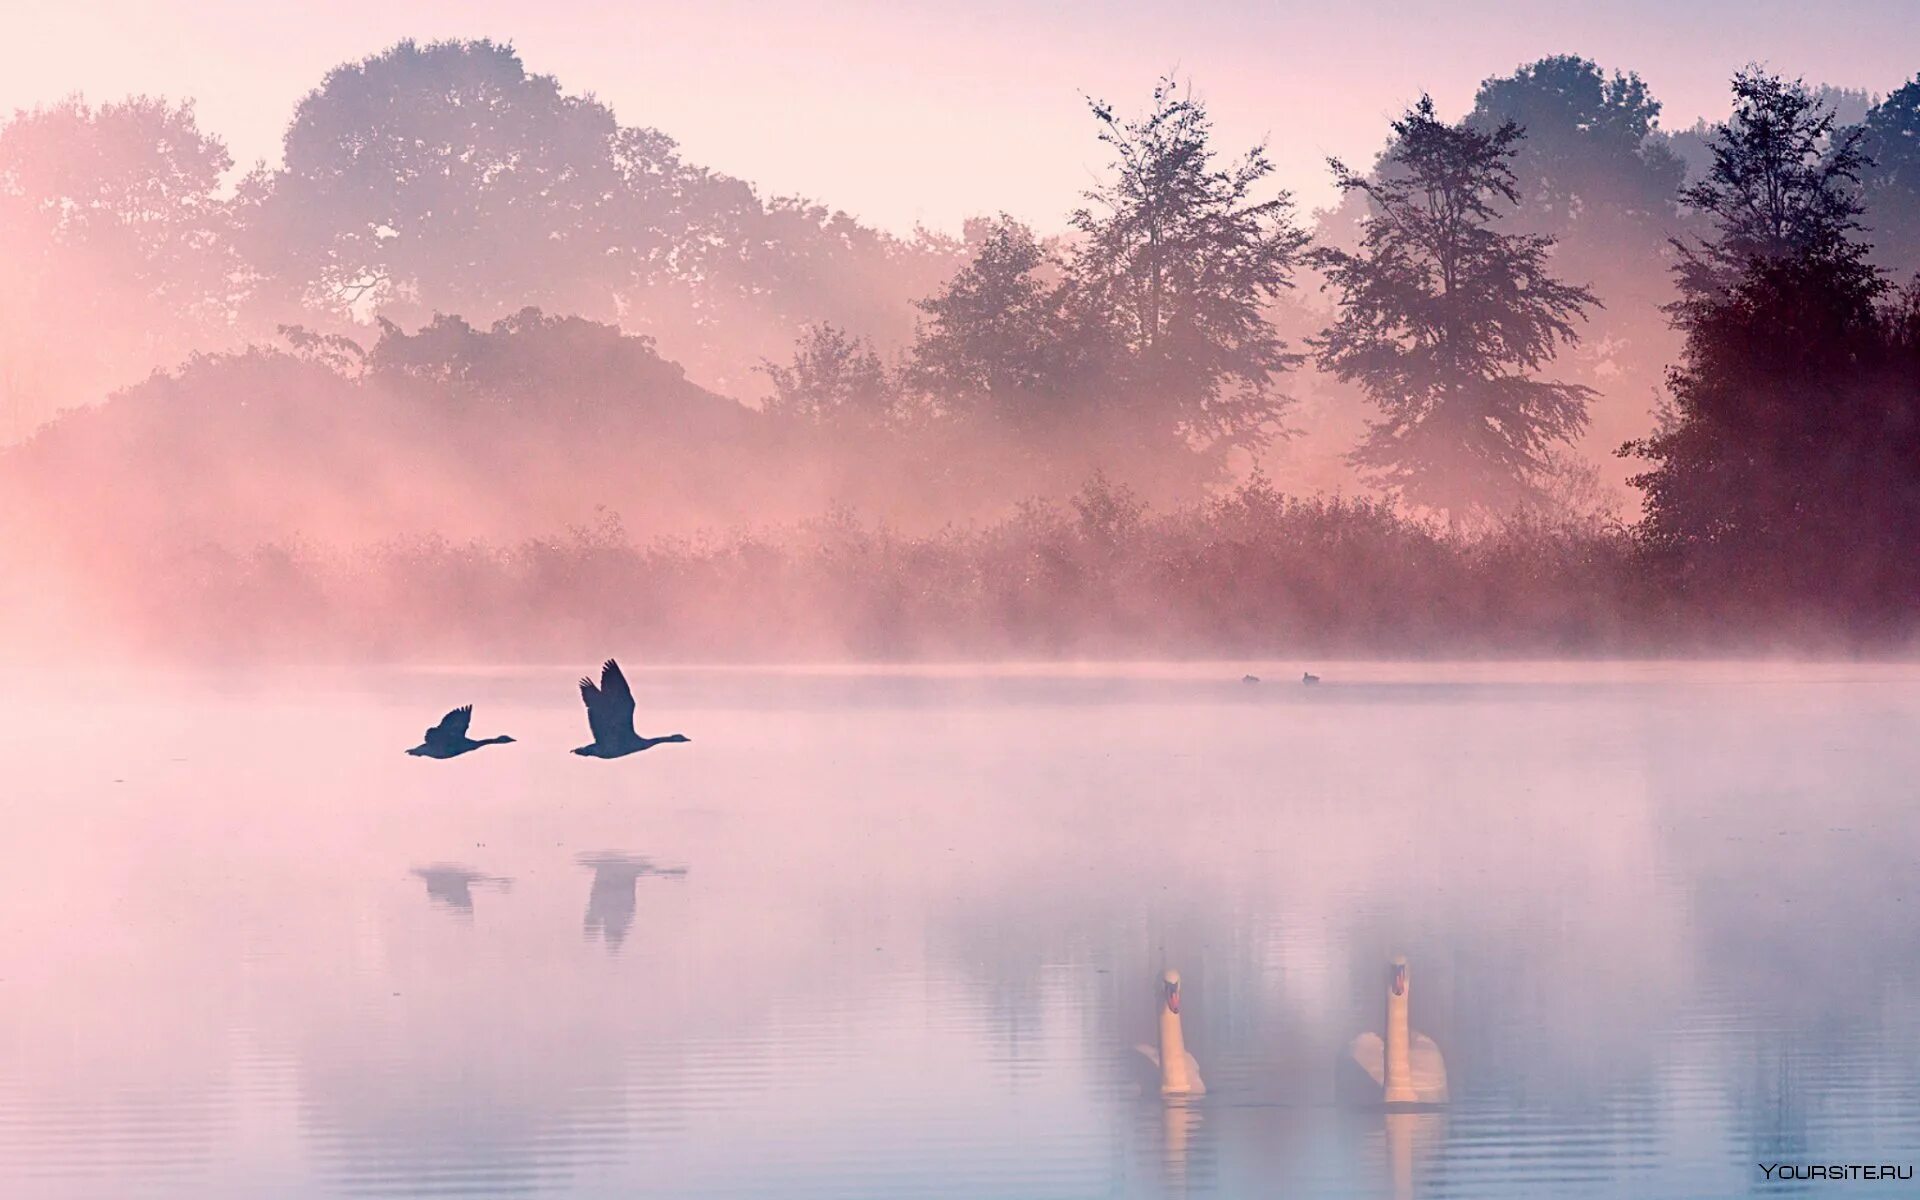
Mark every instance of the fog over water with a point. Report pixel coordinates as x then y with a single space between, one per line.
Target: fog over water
895 932
1432 510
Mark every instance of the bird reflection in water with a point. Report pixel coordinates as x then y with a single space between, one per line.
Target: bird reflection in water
1410 1136
1181 1120
452 885
610 905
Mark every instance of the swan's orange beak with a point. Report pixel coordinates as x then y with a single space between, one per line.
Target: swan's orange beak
1399 979
1173 999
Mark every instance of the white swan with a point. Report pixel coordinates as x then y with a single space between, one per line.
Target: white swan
1406 1068
1179 1073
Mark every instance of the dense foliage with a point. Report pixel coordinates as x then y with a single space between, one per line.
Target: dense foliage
1443 319
470 307
1786 479
1252 573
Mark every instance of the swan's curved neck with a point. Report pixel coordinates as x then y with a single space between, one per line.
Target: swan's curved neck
1173 1053
1399 1064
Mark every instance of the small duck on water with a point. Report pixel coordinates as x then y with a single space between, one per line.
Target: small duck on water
1309 678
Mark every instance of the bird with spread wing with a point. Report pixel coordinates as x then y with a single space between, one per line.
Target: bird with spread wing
610 717
449 738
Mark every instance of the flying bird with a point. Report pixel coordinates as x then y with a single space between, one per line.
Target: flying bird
610 716
449 738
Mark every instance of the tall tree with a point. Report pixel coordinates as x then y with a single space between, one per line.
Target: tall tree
1788 470
1588 172
1591 175
447 177
1594 175
1444 318
995 342
118 248
1783 184
1178 258
1890 180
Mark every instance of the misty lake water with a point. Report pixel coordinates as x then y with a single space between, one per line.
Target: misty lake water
892 933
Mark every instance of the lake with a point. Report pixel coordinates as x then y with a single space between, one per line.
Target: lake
896 932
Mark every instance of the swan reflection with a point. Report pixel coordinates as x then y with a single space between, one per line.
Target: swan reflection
1410 1137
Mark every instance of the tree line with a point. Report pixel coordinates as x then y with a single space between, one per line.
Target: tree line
1478 286
441 178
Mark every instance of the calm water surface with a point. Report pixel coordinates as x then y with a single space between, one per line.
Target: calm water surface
895 933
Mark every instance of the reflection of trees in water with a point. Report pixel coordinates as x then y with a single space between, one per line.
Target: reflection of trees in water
612 901
452 885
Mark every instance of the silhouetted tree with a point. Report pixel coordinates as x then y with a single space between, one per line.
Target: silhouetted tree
1594 174
1787 474
1689 145
450 178
447 177
540 365
532 422
835 379
1890 141
1849 106
1177 260
1587 173
1783 185
1443 318
996 341
336 352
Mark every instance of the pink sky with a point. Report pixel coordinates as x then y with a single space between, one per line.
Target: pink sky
916 112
